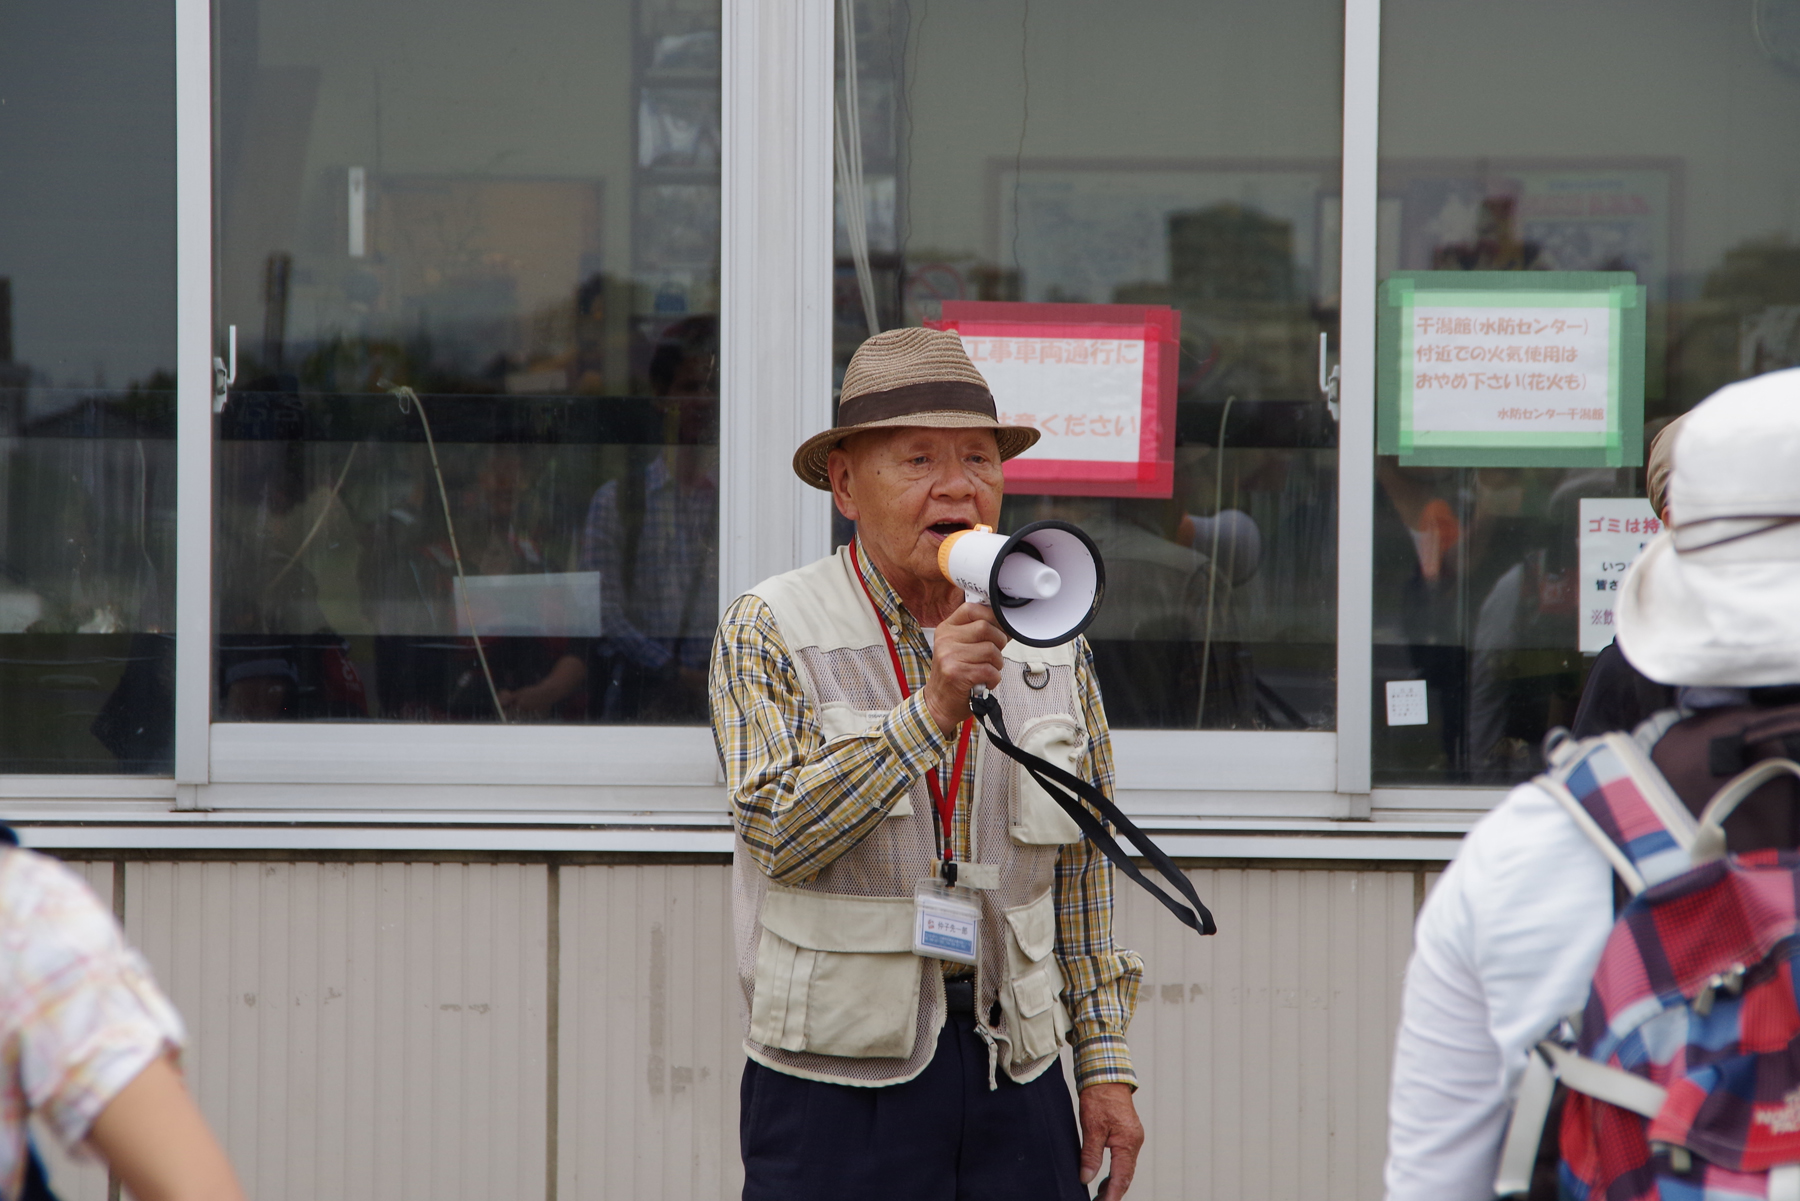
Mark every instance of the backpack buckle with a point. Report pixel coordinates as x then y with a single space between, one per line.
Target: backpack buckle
1730 981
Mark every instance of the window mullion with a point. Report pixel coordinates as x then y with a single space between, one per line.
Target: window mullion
193 325
1356 355
775 319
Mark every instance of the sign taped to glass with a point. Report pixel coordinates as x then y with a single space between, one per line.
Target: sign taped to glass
1097 379
1613 533
1512 368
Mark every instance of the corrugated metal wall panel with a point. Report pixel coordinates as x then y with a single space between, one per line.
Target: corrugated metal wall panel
650 1034
380 1030
72 1179
360 1030
1264 1050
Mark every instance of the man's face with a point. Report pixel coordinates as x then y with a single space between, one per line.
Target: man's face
909 488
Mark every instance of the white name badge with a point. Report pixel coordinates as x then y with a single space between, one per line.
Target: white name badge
946 922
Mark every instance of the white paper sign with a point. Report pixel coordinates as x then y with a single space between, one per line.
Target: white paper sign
1510 370
1406 703
1613 533
1085 394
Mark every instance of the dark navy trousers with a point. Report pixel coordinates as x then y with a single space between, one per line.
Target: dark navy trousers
942 1136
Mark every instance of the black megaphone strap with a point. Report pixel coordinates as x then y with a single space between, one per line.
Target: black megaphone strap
1199 918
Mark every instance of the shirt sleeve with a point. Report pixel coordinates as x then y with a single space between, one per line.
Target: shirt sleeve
798 800
1505 947
87 1016
1101 978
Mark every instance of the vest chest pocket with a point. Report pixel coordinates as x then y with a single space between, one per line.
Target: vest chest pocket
838 719
1031 998
835 975
1037 820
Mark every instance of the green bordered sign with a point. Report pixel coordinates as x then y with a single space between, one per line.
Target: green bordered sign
1512 369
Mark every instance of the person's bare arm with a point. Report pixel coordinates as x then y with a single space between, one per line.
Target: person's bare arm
153 1138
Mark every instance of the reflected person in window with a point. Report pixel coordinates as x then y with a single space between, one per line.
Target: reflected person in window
653 537
839 698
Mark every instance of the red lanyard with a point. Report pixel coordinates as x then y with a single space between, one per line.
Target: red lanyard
946 805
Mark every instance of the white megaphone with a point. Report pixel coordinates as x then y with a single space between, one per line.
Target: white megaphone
1044 582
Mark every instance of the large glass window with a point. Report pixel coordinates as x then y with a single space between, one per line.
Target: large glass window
512 213
1652 138
1150 161
87 360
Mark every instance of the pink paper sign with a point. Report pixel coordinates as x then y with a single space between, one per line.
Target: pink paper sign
1097 379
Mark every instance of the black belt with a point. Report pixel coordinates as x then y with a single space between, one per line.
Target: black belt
959 995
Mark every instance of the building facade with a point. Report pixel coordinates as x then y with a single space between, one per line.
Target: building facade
394 394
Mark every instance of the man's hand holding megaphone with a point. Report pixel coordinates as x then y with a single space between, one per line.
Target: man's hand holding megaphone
965 655
1041 585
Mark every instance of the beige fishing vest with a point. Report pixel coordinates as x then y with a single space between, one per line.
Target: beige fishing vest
833 988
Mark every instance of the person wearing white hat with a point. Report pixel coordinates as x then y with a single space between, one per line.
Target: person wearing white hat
840 702
1507 943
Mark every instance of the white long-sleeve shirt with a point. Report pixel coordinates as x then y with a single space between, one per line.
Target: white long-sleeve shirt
1506 946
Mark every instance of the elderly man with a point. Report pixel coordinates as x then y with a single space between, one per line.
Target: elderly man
840 705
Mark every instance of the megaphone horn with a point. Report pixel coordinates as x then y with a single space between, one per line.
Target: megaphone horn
1044 582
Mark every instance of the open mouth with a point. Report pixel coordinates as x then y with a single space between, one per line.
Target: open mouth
944 529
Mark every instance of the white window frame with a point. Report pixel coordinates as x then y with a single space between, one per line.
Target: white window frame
405 786
775 348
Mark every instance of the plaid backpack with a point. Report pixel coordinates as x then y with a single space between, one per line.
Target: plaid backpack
1683 1070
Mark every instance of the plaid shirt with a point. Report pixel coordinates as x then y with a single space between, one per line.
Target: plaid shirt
79 1014
799 805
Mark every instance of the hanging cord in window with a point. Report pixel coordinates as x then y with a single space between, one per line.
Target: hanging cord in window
1212 561
848 122
317 525
409 400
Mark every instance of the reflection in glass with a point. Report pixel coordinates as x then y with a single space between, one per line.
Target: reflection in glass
87 354
518 223
1544 156
1135 154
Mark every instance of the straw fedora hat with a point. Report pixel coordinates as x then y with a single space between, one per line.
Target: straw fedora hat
910 377
1715 598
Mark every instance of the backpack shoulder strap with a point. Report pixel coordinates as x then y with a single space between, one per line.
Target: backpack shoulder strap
1615 796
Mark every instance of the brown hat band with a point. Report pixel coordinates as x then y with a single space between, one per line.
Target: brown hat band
948 396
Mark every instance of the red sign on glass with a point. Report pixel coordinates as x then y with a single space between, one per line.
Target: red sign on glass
1097 379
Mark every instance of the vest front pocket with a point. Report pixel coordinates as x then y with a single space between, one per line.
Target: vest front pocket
837 719
1031 997
835 975
1037 820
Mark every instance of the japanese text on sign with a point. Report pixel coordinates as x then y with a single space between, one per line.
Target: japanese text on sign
1085 394
1511 360
1105 352
1612 534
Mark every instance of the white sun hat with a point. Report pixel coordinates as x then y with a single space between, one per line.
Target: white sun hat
1715 598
